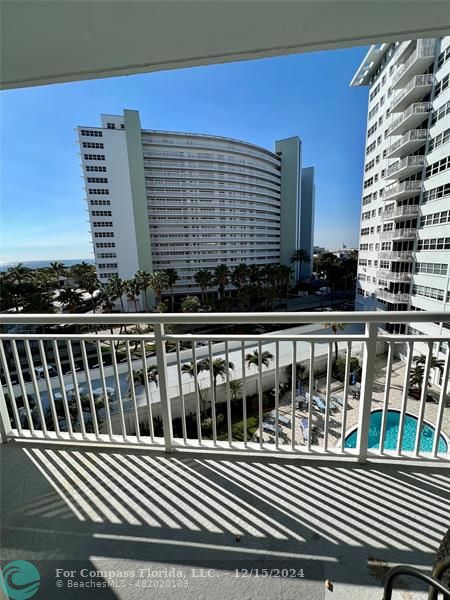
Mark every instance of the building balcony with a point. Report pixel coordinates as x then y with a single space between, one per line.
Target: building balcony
393 276
418 87
409 142
138 473
402 190
410 118
395 255
405 167
416 63
395 298
400 212
406 233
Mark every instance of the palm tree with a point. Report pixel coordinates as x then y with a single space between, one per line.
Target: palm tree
115 289
253 358
18 274
222 276
58 270
144 280
418 370
335 327
138 376
104 300
284 277
204 280
254 274
416 376
190 304
158 282
82 269
172 278
300 256
70 298
235 389
133 290
219 367
239 275
90 283
188 369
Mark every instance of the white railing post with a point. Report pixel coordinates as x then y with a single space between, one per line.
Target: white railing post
161 362
5 423
365 403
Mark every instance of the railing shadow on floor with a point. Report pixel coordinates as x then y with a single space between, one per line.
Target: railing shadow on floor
220 512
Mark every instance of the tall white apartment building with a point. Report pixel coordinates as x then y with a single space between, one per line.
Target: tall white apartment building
163 199
404 250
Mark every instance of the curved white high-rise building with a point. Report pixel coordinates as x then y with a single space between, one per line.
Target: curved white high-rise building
162 199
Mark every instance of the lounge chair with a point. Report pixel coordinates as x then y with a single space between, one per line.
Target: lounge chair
319 403
284 420
337 400
269 428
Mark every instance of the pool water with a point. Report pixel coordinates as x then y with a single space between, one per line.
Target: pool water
391 437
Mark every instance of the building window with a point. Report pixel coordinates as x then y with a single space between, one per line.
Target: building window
102 224
438 166
429 292
99 191
441 138
440 113
442 191
89 132
434 244
92 145
94 157
111 125
95 169
441 86
101 213
435 219
431 268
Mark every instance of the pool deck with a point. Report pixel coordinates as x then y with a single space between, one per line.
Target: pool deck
337 388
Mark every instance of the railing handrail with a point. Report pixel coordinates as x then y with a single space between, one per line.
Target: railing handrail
225 318
416 107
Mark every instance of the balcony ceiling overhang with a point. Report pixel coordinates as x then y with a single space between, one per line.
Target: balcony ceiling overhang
44 41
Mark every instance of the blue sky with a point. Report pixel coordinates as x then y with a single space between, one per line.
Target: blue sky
43 213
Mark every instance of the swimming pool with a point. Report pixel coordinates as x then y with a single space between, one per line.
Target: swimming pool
391 437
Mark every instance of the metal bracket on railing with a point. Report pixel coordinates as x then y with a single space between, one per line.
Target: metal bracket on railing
435 584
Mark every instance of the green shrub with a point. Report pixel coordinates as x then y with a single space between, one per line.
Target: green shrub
340 368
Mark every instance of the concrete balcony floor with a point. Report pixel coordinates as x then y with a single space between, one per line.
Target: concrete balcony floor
74 508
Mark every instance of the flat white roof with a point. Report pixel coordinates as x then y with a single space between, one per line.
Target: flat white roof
369 64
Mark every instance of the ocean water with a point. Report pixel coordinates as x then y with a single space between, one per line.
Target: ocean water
41 264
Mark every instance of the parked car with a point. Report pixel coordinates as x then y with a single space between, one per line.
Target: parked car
40 372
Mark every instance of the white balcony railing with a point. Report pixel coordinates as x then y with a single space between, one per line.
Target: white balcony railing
396 298
393 275
410 141
399 234
422 55
395 255
415 89
410 164
418 110
405 188
401 211
52 390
